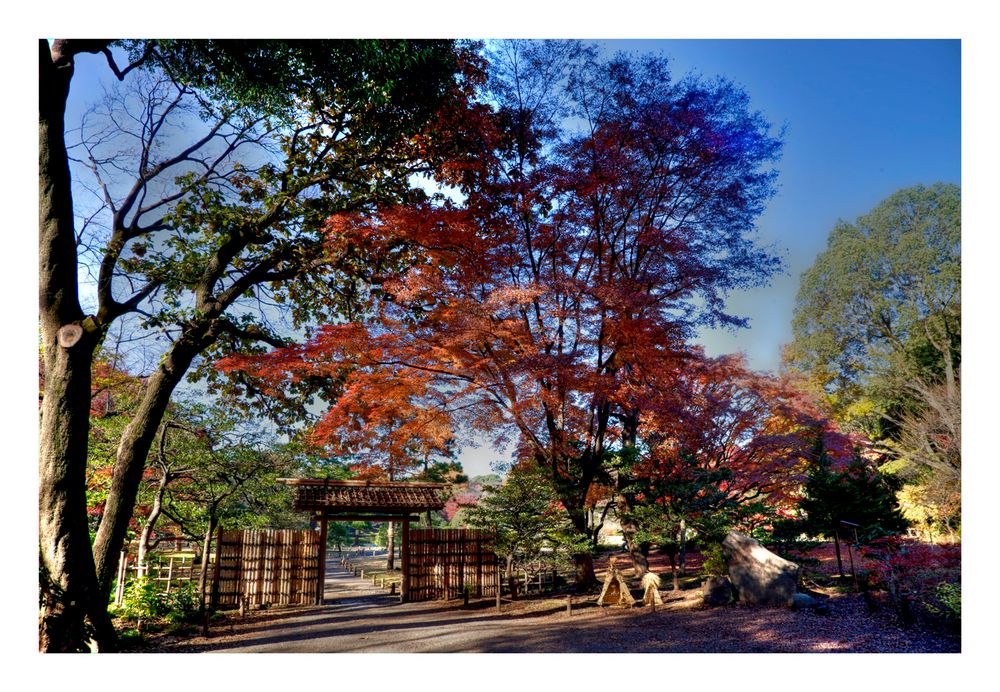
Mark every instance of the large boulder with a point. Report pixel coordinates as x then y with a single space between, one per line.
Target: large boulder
759 576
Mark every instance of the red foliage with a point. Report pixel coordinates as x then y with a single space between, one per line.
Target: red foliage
720 416
911 565
112 389
558 298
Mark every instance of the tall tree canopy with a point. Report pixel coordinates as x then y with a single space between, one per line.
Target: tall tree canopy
608 210
883 301
878 326
212 182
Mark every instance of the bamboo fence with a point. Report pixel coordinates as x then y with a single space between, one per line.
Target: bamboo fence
256 567
164 572
445 562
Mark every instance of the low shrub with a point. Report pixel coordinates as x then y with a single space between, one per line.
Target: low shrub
947 601
715 564
183 603
143 601
922 579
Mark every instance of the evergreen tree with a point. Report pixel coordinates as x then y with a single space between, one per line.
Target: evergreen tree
857 493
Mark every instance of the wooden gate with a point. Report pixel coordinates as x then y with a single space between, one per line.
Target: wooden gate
443 561
279 567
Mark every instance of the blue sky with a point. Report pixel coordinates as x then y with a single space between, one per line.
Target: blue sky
863 119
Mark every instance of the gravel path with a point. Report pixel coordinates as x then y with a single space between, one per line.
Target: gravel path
358 617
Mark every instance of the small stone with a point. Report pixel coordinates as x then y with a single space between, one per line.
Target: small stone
802 601
718 591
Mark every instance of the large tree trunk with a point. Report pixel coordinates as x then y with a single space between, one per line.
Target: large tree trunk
584 562
69 591
629 529
133 450
672 555
584 568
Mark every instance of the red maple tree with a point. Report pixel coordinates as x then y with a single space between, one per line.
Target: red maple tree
607 212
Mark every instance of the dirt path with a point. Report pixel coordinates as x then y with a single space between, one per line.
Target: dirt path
358 617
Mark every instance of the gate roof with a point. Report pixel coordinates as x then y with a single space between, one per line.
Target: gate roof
364 497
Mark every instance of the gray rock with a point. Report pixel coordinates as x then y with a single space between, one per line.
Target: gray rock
803 601
760 576
717 591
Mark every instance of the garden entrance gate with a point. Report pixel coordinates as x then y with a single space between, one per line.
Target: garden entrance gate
437 563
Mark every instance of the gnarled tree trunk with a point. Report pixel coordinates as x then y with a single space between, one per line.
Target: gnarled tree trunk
130 460
640 562
154 515
69 591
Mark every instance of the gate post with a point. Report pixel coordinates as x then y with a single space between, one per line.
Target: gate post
404 594
321 568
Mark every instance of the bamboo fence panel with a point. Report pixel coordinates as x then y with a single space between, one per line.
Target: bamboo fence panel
443 561
272 566
166 574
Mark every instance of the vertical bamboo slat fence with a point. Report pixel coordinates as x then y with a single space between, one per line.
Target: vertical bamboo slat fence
278 567
443 561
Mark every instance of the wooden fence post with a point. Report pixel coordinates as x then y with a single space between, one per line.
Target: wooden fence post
120 587
321 567
404 591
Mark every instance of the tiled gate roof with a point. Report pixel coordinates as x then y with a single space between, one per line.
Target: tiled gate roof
348 497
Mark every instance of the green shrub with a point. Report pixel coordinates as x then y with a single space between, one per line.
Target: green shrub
129 638
715 564
182 628
141 600
183 603
948 599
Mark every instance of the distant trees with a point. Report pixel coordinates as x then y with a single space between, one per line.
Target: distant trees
878 328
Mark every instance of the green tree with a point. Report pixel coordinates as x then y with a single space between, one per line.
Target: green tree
527 517
883 301
856 493
194 236
878 326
